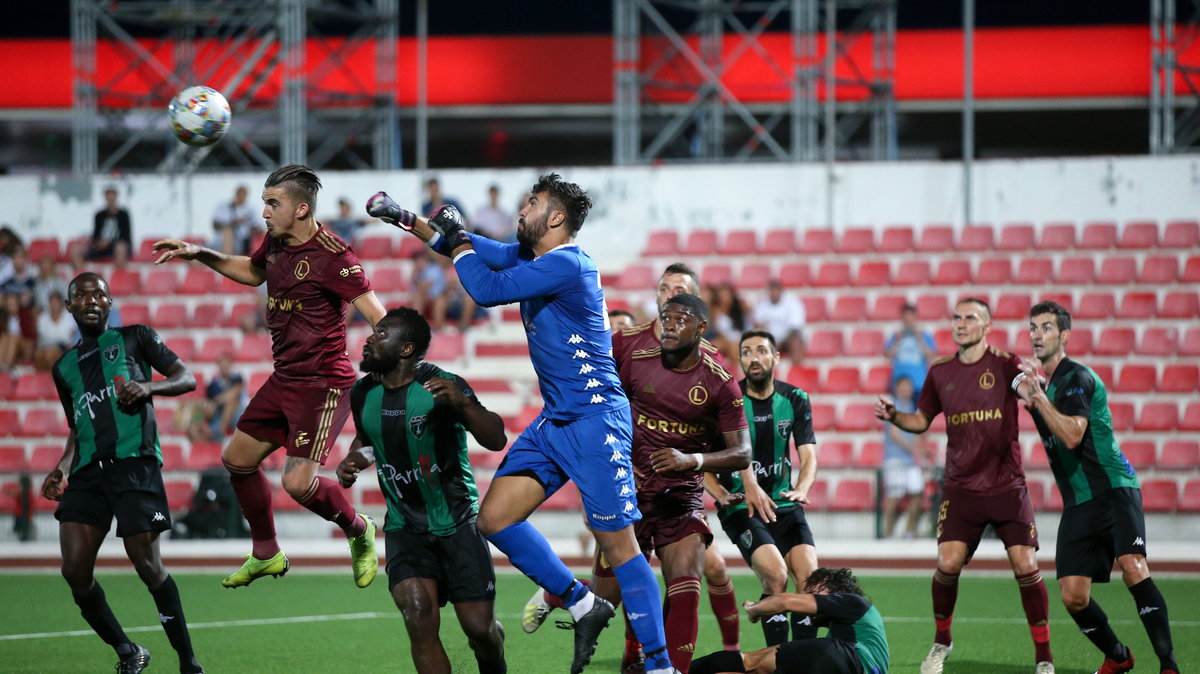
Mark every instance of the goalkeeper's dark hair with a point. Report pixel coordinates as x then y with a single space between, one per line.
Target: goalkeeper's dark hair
836 580
300 182
1062 317
697 305
413 329
567 197
686 270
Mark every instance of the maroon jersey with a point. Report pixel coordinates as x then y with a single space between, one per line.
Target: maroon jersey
687 410
982 452
308 286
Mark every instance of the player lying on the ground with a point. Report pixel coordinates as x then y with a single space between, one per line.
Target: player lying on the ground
412 418
856 644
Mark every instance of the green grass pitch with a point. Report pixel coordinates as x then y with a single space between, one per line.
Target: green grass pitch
315 622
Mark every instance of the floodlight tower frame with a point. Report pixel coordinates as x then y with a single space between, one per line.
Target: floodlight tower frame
1174 119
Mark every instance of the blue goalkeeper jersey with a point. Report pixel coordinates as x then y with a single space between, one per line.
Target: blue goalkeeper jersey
565 318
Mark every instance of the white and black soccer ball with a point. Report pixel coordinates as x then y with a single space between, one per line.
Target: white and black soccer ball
199 115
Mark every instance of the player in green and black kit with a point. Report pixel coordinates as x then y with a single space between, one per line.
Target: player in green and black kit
412 418
1102 518
775 411
111 466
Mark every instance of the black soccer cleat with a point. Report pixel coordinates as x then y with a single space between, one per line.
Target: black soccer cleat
587 633
135 662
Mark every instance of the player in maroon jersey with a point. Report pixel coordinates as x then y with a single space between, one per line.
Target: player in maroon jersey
978 390
311 276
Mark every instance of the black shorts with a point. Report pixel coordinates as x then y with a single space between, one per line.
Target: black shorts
130 489
1093 534
789 529
461 563
825 655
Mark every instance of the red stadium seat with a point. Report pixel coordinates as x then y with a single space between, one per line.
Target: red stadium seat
485 459
794 275
857 240
817 242
740 242
40 248
1159 496
1157 417
1138 305
997 273
1181 454
1035 269
1115 342
835 454
1012 307
637 277
898 239
1141 454
779 242
1104 372
35 386
1098 236
804 377
502 350
998 339
952 273
184 347
1191 418
1184 234
943 340
912 273
878 379
208 315
172 455
818 495
1137 379
859 417
125 282
1076 271
824 344
1138 235
700 243
1037 493
1057 236
663 243
179 494
832 275
814 308
887 307
1179 378
43 421
1191 271
45 458
853 495
12 457
374 248
1190 344
566 498
162 281
259 378
389 279
197 281
211 348
1016 236
1122 415
1159 270
936 239
1036 458
873 274
204 455
254 349
1189 502
717 273
407 248
134 313
1096 306
1180 304
870 454
1117 271
841 380
754 276
849 308
1062 298
933 308
1054 502
976 238
1157 342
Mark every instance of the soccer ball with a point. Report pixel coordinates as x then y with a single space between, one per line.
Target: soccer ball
199 115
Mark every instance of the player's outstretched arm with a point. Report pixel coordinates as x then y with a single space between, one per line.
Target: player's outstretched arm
179 381
237 267
358 459
913 422
785 602
720 494
370 307
807 474
55 482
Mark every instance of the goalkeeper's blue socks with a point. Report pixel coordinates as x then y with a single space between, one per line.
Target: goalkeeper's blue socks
639 593
530 552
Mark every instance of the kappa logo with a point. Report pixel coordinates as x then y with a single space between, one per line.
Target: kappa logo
110 353
491 586
164 619
417 425
580 353
1088 630
597 398
575 339
616 456
158 517
1147 610
592 383
610 439
1139 542
622 473
586 369
629 508
636 616
625 490
781 618
302 438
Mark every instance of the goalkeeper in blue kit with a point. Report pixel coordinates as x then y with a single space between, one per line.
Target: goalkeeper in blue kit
584 432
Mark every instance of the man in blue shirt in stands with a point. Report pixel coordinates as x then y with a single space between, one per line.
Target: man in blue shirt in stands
584 432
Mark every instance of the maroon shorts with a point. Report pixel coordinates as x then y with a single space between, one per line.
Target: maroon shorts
964 515
655 532
304 419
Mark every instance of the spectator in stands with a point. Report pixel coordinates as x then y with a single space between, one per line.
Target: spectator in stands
494 222
112 233
224 399
903 455
252 322
727 316
782 314
437 200
429 288
23 279
47 283
9 243
911 349
345 225
235 223
56 332
460 306
619 319
17 331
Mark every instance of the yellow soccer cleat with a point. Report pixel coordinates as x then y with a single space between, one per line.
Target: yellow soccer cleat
362 554
253 569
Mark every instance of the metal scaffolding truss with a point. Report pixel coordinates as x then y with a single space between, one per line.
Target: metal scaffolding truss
253 51
1174 119
670 84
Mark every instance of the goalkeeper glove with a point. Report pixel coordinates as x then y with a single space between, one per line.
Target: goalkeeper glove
381 206
448 222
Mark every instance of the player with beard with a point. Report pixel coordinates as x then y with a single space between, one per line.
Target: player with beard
584 432
978 389
774 550
412 418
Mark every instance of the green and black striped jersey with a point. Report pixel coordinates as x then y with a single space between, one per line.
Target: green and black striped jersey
87 377
1097 464
420 452
787 413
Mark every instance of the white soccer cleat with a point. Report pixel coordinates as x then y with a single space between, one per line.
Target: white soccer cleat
536 610
933 663
1044 668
